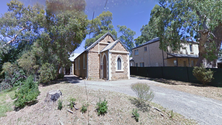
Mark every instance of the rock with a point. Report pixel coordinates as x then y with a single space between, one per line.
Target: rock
53 96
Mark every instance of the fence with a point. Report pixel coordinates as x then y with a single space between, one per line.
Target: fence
175 73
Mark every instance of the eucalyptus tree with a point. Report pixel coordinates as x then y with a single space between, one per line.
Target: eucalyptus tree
197 20
99 26
127 37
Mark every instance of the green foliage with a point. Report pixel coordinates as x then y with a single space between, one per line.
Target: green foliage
202 74
61 76
72 102
127 37
27 93
84 108
136 115
171 114
47 73
13 75
99 26
101 107
60 105
143 92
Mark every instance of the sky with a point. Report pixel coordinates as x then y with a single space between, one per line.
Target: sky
131 13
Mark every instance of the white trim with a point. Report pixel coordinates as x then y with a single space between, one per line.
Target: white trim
128 66
119 56
124 52
110 66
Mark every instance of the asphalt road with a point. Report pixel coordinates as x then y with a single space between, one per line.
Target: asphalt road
205 111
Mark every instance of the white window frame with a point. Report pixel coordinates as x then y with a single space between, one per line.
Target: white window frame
136 52
119 57
84 64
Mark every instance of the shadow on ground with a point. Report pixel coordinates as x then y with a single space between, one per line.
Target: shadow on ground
170 81
142 106
67 79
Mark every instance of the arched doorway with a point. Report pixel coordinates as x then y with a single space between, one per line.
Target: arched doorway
104 67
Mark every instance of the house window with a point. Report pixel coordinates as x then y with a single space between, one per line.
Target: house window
136 64
175 63
184 63
191 48
136 52
84 62
142 64
192 63
119 63
79 62
145 49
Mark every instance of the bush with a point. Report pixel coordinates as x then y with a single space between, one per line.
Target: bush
60 105
72 102
27 93
47 73
84 108
136 115
101 107
143 92
202 74
61 76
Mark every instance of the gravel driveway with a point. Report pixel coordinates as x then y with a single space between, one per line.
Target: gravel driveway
205 111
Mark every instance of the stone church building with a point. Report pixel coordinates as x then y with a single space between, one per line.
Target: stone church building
107 58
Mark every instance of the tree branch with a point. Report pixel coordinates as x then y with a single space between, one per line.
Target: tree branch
9 42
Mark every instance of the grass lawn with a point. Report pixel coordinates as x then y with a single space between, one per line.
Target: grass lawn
6 103
120 108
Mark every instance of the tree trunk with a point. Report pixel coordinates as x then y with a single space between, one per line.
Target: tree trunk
202 49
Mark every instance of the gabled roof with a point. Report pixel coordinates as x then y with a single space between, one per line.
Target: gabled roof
148 42
182 55
111 45
102 37
72 58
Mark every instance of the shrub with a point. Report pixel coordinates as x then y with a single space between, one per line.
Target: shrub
47 73
84 108
27 93
136 115
60 105
143 92
101 107
202 74
72 102
61 76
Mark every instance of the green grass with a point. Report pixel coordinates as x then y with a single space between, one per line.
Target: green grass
6 104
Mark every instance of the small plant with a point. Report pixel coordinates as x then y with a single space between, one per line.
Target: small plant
72 102
84 108
101 107
143 92
60 105
171 114
202 74
136 115
27 93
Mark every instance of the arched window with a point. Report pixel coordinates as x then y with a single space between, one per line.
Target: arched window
119 64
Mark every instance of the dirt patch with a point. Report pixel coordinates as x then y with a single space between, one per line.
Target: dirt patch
119 110
193 88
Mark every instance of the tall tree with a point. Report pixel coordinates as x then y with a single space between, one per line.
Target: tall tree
190 20
127 36
99 26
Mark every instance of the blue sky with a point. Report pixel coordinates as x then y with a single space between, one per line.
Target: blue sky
131 13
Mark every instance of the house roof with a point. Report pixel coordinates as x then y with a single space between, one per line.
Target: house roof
72 58
102 37
111 45
148 42
182 55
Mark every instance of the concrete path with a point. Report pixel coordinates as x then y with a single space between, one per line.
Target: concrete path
204 110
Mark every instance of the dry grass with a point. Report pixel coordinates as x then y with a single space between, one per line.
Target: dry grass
120 108
197 89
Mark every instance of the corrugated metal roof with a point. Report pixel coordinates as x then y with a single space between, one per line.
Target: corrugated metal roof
182 55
